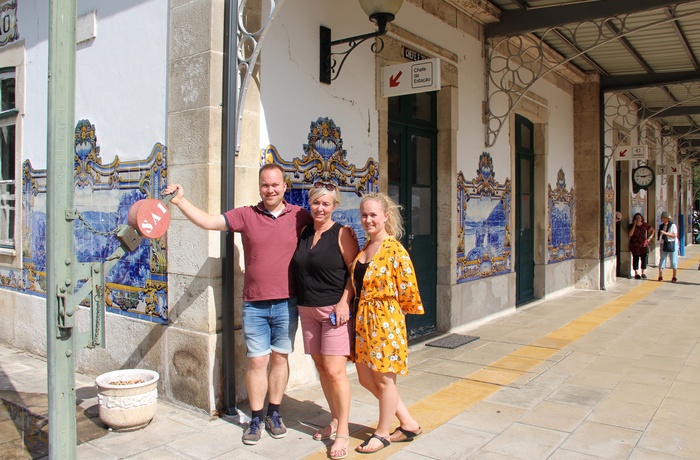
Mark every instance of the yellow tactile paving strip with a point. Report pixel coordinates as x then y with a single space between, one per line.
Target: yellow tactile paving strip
445 404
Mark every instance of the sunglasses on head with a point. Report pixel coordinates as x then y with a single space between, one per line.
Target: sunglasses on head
328 186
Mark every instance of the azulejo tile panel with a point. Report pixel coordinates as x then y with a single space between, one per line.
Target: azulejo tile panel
609 217
483 237
560 237
638 204
137 285
324 162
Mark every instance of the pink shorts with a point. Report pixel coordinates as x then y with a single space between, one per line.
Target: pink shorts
320 336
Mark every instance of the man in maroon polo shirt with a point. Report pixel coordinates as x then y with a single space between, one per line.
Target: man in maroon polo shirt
269 231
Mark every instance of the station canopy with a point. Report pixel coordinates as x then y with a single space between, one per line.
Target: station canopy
646 50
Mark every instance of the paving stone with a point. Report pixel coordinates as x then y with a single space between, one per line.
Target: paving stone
602 440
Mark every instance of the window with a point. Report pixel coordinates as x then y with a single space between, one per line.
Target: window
8 117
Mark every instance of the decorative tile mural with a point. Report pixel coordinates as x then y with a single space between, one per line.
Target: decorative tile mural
483 237
560 237
137 285
324 161
638 204
609 217
660 206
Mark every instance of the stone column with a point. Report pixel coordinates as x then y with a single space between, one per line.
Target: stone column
195 69
588 179
540 202
449 312
625 209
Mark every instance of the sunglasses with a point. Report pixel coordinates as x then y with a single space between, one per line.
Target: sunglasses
328 186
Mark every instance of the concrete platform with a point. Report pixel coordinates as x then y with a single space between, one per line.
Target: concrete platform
593 374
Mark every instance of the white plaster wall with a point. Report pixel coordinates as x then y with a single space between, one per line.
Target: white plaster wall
291 94
471 88
560 132
610 267
121 76
559 278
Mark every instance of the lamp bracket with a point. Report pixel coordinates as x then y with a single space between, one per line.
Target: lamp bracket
330 67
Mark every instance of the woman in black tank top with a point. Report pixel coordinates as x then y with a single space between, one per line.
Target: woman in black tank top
324 295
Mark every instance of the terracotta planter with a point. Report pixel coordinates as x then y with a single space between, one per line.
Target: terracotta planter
127 398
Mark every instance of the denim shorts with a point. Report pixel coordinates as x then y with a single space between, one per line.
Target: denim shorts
270 325
672 255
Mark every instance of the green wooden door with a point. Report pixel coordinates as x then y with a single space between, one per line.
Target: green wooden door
412 183
524 211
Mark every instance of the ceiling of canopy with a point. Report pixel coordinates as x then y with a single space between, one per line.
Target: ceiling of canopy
648 50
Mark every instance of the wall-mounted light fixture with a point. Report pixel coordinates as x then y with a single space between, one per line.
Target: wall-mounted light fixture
380 12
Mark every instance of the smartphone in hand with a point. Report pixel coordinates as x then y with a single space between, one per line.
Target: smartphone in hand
333 319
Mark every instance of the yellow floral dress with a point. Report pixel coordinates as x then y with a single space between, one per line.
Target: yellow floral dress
389 292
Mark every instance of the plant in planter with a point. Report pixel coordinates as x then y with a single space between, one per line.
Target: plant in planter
127 398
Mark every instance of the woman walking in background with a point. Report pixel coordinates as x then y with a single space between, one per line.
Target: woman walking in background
386 289
641 234
668 233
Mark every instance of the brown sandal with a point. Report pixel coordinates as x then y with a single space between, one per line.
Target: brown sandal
340 453
385 443
320 434
403 435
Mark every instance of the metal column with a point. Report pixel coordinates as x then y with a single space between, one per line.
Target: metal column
59 230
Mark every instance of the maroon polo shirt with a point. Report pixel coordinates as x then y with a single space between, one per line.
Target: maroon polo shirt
268 246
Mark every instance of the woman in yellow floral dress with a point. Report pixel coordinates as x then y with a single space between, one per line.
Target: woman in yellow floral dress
386 289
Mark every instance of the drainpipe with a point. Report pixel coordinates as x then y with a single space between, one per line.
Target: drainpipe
603 167
228 155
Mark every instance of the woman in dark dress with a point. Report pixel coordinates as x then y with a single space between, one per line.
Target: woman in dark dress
640 234
324 295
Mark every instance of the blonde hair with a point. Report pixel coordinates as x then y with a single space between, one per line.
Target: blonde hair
317 192
394 225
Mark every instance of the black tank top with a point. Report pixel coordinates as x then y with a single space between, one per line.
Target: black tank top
360 270
320 272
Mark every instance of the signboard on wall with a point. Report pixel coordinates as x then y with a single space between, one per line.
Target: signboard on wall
413 55
630 152
669 169
411 77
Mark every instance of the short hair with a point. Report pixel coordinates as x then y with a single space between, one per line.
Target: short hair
394 224
318 191
269 166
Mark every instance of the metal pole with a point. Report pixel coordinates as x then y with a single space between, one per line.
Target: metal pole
230 127
59 230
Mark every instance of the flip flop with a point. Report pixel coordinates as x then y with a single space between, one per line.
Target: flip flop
403 435
385 443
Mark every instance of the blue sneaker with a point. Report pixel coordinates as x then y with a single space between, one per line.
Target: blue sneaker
275 425
252 434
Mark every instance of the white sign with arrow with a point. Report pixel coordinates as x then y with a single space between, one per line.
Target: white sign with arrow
631 152
669 169
412 77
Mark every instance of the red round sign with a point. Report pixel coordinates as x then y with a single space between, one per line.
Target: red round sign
150 217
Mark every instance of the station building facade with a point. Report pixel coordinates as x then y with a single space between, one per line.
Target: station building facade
507 177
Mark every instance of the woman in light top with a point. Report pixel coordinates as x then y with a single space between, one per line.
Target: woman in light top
668 233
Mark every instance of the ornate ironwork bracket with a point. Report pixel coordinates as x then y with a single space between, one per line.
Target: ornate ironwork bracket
515 64
620 116
249 45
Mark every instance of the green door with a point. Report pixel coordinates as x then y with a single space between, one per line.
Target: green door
412 178
524 207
